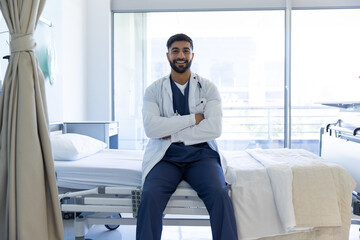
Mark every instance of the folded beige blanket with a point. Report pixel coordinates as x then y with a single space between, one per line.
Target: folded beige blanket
305 191
314 193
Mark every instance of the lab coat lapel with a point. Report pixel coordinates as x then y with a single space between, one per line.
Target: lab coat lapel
168 99
193 85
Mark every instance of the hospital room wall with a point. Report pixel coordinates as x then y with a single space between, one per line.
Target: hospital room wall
54 92
82 36
66 97
74 59
98 41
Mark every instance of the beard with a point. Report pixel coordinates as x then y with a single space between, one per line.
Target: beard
182 69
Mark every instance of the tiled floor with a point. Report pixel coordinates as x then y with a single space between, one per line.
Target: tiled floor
169 233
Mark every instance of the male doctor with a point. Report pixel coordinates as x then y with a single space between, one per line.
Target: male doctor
182 116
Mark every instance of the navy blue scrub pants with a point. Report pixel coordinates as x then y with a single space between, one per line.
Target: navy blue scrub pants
206 177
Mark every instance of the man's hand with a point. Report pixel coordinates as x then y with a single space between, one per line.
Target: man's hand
199 117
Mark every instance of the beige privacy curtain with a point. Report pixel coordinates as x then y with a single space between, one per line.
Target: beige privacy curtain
29 207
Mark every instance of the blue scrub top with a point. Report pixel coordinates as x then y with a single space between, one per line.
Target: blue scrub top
178 152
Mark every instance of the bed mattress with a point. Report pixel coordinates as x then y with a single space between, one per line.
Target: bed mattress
110 167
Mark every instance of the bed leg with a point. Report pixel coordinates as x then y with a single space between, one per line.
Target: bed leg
80 228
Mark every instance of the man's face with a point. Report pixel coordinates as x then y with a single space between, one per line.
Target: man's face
180 56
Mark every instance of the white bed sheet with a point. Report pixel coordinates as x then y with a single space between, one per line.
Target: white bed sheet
110 167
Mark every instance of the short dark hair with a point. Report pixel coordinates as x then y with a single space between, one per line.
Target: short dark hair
179 37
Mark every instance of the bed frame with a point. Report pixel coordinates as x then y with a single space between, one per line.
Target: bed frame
115 206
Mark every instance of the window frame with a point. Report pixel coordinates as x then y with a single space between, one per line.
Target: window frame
144 6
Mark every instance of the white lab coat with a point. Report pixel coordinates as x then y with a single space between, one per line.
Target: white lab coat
160 121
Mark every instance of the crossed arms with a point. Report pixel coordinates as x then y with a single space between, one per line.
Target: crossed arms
189 129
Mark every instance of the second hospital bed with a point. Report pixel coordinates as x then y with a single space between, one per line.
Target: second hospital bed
277 194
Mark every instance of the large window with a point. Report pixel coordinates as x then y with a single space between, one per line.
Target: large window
242 52
4 48
325 69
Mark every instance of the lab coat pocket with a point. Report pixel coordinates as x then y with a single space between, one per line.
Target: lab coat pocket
199 108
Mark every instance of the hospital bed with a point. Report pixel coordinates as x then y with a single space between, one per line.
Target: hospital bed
105 188
340 143
272 192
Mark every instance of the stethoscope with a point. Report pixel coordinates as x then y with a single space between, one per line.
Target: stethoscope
200 93
200 87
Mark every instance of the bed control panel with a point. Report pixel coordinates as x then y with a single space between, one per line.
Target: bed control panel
135 197
356 203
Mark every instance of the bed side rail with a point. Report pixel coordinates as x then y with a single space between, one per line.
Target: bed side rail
127 200
340 130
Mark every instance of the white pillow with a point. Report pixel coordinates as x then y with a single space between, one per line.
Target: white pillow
72 146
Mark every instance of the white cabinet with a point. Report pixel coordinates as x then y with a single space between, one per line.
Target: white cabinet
107 132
